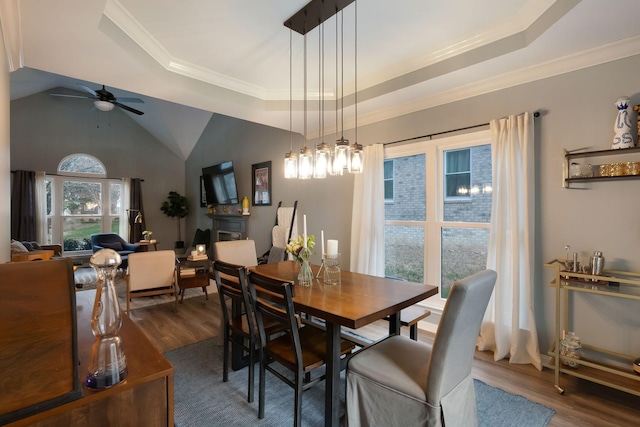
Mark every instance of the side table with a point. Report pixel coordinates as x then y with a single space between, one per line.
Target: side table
192 274
145 244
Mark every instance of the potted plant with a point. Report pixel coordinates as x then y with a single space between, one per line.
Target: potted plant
147 234
176 206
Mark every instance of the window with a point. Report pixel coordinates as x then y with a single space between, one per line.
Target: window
437 229
388 181
81 201
457 173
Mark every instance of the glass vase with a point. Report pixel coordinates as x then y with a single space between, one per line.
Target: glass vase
305 275
108 364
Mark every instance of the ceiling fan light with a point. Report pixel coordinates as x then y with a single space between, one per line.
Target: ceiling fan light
103 105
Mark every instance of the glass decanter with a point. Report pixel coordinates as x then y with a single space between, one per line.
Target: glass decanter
108 364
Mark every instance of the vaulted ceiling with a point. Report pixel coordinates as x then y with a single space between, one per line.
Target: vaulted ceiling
190 59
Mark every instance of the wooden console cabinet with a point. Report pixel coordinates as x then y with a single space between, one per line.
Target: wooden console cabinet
144 398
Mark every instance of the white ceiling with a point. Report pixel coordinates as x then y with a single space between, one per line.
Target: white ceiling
190 59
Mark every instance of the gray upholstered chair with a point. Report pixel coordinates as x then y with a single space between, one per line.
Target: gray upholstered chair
401 382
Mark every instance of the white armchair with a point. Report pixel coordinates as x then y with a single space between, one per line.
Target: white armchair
152 273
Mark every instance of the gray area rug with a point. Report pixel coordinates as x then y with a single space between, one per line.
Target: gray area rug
202 399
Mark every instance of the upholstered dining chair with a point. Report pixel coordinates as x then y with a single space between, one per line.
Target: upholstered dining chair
300 350
240 252
152 273
239 326
401 382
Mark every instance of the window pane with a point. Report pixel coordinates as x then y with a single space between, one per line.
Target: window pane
388 169
464 252
81 198
409 190
476 205
76 232
114 197
458 185
404 253
457 161
48 185
388 180
82 164
115 225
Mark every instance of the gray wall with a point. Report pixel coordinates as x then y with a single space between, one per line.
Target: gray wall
45 129
577 111
327 203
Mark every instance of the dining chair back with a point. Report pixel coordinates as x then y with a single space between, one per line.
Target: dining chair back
301 350
399 382
152 273
240 252
239 326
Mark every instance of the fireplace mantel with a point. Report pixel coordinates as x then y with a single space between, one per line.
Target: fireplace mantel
229 226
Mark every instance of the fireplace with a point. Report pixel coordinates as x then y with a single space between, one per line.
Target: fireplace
224 236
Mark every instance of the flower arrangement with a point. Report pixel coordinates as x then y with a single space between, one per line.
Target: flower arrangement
297 249
147 234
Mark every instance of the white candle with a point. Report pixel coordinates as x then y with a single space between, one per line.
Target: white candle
304 231
322 239
332 247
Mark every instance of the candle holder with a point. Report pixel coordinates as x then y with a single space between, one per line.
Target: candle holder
108 364
331 265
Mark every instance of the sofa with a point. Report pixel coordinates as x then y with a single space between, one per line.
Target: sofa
117 243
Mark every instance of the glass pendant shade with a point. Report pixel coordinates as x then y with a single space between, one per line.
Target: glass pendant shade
291 165
356 158
341 155
323 157
305 170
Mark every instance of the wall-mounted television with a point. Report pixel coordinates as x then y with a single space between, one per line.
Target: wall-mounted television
220 184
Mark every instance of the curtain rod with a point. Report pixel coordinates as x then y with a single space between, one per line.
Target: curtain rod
73 176
535 114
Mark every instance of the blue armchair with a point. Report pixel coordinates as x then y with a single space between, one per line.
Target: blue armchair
117 243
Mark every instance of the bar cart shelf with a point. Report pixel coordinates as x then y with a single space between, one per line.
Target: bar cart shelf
595 364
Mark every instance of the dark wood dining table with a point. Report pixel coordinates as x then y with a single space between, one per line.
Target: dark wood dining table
359 300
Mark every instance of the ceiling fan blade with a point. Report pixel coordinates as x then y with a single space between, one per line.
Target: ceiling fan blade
126 107
88 89
138 100
71 96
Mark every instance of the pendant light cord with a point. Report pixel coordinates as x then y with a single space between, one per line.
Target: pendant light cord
355 37
290 91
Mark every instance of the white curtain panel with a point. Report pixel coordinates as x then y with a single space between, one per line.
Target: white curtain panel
367 220
42 234
509 328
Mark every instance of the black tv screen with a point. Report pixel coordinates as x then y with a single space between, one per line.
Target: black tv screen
220 184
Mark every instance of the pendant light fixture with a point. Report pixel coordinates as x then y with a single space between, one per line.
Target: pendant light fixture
332 161
291 158
356 154
322 149
305 167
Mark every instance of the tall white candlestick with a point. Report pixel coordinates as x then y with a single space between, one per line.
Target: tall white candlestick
322 239
304 231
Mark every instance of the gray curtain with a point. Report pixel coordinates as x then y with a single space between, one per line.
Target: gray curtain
23 206
135 202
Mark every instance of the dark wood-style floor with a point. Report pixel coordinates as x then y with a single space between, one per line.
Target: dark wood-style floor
583 404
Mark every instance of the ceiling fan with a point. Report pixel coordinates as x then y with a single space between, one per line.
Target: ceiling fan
104 100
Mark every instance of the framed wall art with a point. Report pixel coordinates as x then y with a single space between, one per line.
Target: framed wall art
261 184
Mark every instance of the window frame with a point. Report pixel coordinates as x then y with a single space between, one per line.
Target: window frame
457 198
57 217
392 180
432 227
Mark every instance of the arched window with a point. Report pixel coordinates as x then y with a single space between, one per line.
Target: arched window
81 201
81 165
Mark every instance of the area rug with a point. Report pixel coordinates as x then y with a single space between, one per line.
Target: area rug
202 399
86 279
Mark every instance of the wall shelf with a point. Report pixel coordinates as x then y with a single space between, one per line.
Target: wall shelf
568 156
595 364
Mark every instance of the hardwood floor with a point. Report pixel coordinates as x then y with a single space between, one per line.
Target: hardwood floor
583 404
